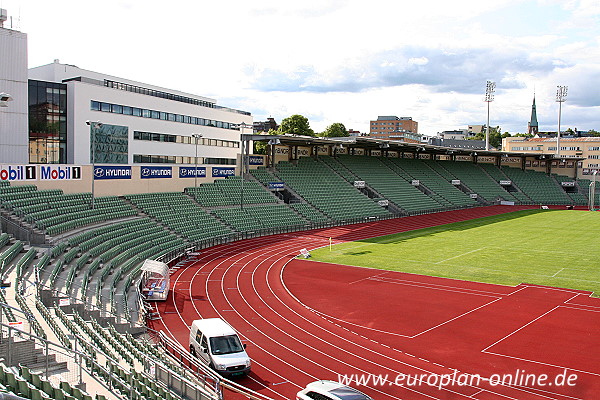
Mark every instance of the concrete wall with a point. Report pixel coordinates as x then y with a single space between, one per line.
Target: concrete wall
14 120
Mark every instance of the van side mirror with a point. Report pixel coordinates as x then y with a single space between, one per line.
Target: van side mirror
245 345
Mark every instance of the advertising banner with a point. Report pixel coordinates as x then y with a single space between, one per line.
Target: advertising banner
112 172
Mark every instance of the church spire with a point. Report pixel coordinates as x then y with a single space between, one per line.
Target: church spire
533 123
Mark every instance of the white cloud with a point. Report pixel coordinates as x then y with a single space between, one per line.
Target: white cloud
338 60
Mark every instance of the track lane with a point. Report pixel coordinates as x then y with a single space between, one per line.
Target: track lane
243 284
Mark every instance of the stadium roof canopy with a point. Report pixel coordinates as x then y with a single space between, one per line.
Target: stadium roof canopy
395 145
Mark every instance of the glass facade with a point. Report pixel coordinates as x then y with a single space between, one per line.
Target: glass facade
47 122
109 144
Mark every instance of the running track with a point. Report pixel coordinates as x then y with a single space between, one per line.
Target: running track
305 321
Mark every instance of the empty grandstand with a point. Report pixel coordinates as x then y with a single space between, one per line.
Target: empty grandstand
75 288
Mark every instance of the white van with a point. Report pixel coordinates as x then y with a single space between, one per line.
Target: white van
215 342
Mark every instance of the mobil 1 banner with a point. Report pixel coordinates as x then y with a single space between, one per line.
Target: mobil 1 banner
112 172
18 172
156 172
190 172
221 172
60 173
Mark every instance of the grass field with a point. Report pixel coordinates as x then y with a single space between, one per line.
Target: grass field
555 248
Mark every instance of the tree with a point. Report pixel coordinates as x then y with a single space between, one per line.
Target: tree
495 136
296 125
337 129
593 132
260 147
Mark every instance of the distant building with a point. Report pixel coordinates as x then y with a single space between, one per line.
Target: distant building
457 143
458 134
265 126
533 127
475 129
395 128
586 147
352 132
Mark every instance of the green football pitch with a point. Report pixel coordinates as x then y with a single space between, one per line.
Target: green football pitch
543 247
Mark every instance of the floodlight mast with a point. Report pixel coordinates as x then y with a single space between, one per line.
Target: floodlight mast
490 87
561 97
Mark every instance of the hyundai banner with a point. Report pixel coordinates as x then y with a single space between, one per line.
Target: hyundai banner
221 172
190 172
156 172
112 172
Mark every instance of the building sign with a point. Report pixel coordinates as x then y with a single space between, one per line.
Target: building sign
303 152
256 160
484 159
112 172
282 150
221 172
568 184
510 160
376 153
60 173
276 185
190 172
456 182
156 172
463 158
18 172
505 183
415 182
383 203
473 195
359 184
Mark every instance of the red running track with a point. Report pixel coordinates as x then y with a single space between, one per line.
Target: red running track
305 321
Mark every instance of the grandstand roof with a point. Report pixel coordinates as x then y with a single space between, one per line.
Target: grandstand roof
395 145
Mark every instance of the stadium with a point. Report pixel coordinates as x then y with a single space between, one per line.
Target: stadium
80 318
408 271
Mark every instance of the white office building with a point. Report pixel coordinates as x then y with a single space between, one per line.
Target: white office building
141 123
13 82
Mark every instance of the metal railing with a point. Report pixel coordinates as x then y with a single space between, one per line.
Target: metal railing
210 377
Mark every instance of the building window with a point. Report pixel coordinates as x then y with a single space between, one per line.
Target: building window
168 138
137 112
48 122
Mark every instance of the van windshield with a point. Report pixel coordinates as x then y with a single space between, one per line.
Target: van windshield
225 344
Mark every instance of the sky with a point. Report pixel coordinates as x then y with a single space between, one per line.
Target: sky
340 60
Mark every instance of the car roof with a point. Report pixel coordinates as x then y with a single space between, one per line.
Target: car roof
212 327
337 389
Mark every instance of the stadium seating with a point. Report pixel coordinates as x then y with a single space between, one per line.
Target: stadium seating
95 255
327 191
229 191
181 214
252 218
477 180
392 183
538 186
